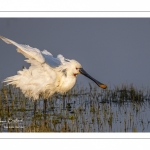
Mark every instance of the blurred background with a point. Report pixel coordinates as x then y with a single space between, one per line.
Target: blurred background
115 51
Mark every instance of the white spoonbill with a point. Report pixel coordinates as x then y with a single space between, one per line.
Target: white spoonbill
47 74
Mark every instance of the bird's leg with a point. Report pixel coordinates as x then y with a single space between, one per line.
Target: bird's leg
44 110
63 102
34 106
44 106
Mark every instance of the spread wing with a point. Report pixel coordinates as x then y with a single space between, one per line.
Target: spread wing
35 54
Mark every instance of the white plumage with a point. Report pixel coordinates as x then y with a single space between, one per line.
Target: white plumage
47 74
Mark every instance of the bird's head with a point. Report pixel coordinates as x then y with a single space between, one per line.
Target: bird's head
76 68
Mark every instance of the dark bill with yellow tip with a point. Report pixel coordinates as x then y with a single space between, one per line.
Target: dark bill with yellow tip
82 71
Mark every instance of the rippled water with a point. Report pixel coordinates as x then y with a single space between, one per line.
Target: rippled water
87 112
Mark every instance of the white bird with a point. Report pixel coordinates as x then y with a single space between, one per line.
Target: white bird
46 75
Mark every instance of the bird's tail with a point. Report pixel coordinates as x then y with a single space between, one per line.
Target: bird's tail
26 89
12 80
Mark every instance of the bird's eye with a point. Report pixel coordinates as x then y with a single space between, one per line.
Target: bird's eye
76 68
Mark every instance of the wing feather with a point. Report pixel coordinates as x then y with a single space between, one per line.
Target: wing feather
34 54
26 50
53 62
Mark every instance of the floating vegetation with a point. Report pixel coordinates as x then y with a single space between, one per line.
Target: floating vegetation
121 109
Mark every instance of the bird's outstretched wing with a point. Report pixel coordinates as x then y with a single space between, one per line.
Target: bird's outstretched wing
53 62
26 50
35 54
